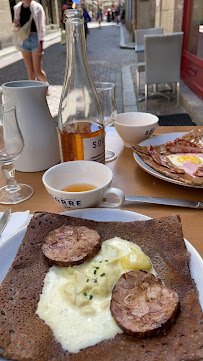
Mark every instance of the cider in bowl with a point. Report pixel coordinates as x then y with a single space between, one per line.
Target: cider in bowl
82 184
79 187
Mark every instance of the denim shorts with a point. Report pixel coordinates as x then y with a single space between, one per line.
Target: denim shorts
31 43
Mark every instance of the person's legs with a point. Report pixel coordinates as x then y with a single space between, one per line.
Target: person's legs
37 64
27 56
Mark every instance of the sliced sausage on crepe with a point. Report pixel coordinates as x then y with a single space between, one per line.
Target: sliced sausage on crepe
142 306
24 336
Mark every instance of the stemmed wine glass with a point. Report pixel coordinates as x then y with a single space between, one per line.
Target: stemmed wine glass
11 145
106 93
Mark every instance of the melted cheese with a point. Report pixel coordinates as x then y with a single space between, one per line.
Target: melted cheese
75 301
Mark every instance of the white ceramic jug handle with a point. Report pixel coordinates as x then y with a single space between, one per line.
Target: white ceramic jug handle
120 195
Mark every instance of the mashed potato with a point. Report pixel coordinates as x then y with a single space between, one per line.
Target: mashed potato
75 300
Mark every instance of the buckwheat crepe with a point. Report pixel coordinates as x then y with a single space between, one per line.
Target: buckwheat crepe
193 138
25 337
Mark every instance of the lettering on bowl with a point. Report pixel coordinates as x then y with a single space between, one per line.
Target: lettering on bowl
67 203
149 131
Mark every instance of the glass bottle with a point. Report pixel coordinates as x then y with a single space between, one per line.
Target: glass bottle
80 121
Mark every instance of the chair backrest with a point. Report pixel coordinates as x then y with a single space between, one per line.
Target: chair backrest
163 58
140 33
139 40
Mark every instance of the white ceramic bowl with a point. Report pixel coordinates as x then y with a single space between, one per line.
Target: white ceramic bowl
134 127
81 172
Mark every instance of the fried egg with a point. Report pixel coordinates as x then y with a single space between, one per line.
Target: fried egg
190 162
75 301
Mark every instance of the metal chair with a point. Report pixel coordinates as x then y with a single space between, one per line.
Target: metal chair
139 49
162 61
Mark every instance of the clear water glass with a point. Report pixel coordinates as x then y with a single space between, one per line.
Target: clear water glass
106 93
11 145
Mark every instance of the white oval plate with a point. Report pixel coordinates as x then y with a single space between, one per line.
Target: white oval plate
160 139
9 247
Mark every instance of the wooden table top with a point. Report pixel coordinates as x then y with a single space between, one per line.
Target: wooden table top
132 180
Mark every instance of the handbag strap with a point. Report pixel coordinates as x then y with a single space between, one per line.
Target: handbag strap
30 19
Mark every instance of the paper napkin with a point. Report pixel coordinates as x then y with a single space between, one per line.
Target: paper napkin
17 221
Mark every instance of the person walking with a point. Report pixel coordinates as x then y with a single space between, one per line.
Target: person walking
123 16
117 15
66 6
86 19
99 17
108 17
32 47
90 15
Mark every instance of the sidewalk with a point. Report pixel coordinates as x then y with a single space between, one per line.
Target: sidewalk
189 102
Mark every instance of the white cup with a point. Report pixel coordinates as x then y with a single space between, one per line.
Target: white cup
65 174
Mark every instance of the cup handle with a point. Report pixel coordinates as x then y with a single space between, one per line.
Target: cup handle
116 191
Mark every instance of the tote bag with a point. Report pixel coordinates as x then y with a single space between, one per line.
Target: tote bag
19 35
24 32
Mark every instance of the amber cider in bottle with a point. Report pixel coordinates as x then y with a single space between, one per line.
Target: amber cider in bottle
81 123
85 144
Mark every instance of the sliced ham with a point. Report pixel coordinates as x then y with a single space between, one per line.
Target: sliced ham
163 160
180 145
199 172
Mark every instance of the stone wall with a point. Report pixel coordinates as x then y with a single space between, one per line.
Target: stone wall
143 14
145 17
169 15
128 21
155 13
54 10
5 24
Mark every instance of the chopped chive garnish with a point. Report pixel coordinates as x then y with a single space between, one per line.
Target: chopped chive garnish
95 271
91 297
106 260
100 261
95 280
85 294
97 267
102 274
87 280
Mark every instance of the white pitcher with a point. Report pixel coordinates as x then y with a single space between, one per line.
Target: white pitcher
41 147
